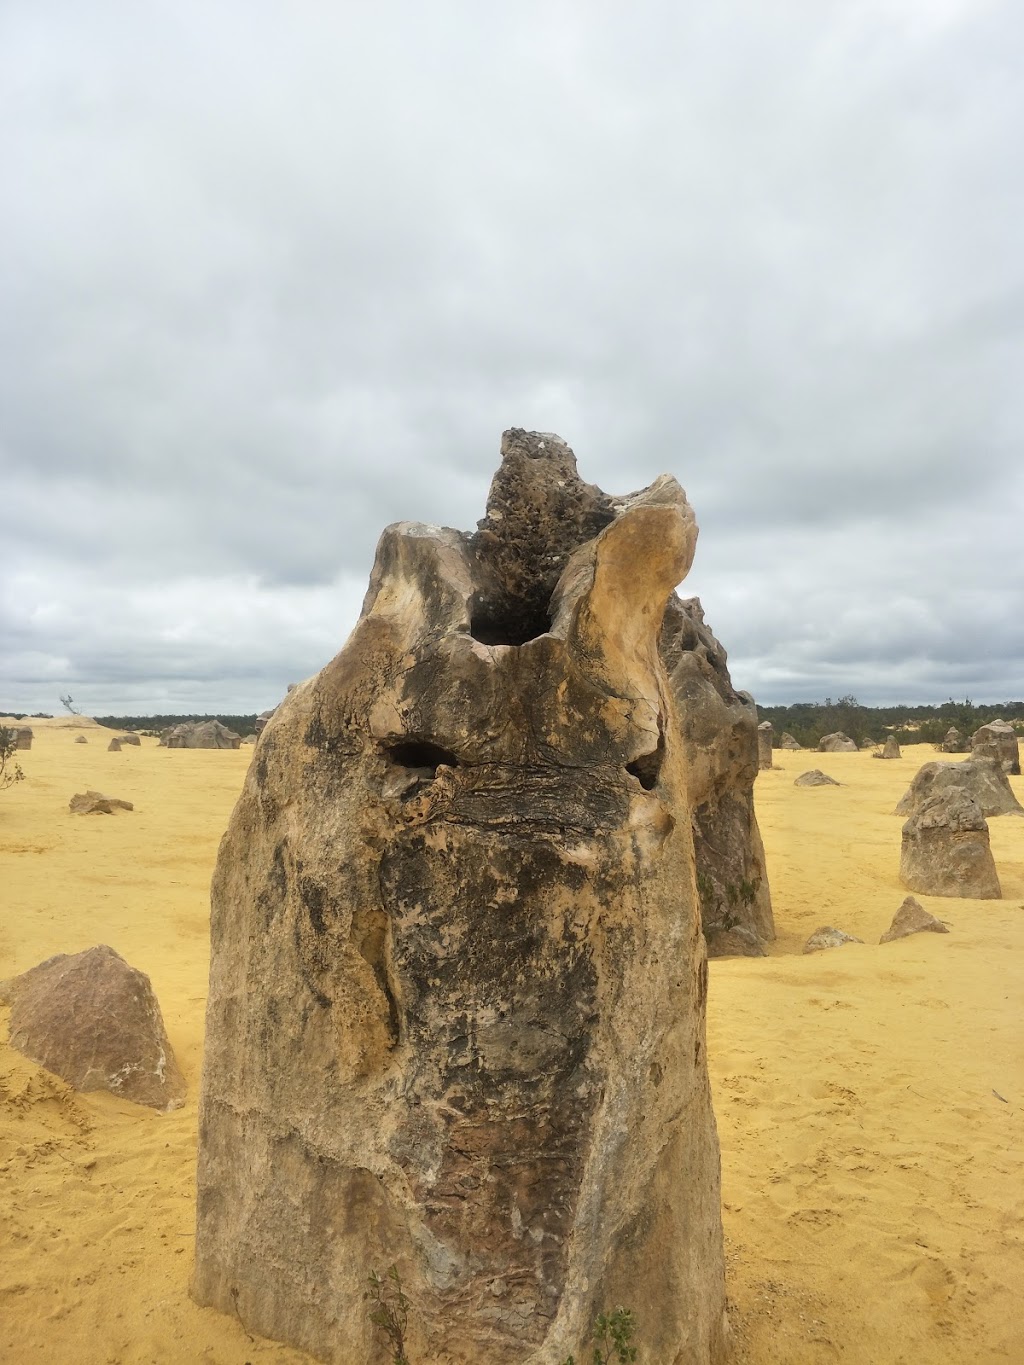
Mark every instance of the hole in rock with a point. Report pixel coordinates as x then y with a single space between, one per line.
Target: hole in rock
647 767
510 624
420 753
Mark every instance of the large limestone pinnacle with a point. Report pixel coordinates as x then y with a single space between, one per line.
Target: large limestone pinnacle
458 980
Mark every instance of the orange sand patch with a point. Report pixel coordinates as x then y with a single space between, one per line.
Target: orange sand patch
871 1177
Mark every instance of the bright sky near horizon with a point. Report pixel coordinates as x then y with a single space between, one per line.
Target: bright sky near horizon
274 276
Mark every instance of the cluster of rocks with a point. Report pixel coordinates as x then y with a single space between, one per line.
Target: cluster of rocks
458 979
200 734
910 918
95 803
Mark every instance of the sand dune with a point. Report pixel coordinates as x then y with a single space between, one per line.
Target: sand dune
868 1098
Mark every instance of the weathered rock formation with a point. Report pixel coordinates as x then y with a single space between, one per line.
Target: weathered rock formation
869 743
720 736
22 736
946 849
130 739
457 983
953 743
788 742
998 740
837 743
981 778
114 747
827 937
912 918
94 1021
202 734
891 748
81 739
815 778
764 744
95 803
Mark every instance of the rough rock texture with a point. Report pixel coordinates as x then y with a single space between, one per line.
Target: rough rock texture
261 721
827 937
95 803
719 727
788 742
22 736
457 986
764 744
93 1020
81 739
946 849
868 743
815 778
836 743
130 739
114 747
912 918
204 734
998 740
891 748
981 778
953 743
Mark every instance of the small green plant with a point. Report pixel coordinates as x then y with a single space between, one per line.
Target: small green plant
611 1336
10 772
390 1311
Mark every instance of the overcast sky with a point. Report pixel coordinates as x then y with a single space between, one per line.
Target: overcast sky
275 275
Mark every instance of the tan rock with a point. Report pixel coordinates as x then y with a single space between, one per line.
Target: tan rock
837 743
981 778
946 849
22 736
764 744
204 734
133 740
815 778
953 743
95 803
81 739
998 740
114 747
94 1021
912 918
457 984
719 726
827 937
788 742
891 748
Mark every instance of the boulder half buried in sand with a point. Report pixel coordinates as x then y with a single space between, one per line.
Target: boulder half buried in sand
720 737
815 778
837 743
204 734
981 778
457 984
788 742
998 740
94 1021
81 739
946 849
114 747
827 937
912 918
95 803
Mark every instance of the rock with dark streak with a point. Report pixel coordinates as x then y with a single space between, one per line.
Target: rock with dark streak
458 980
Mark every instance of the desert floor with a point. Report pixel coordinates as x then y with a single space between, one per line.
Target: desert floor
869 1098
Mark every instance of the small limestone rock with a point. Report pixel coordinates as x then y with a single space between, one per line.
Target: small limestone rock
764 744
130 739
827 937
837 743
946 849
998 740
868 743
114 747
95 803
94 1021
982 778
788 742
912 918
81 739
892 748
953 742
815 778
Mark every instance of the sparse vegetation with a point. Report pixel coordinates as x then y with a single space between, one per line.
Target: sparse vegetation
611 1339
390 1311
808 721
10 771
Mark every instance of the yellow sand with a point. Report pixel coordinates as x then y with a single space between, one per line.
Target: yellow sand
871 1176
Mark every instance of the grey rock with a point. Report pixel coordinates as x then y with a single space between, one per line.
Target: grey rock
912 918
95 803
815 778
788 742
998 740
982 778
764 744
946 849
827 937
836 743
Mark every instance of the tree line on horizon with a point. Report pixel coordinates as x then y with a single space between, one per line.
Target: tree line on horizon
809 721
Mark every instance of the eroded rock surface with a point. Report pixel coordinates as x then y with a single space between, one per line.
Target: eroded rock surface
998 740
912 918
946 849
953 742
457 985
837 743
764 744
719 726
204 734
815 778
828 937
81 739
114 747
891 748
93 1020
95 803
981 778
788 742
